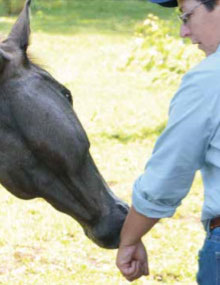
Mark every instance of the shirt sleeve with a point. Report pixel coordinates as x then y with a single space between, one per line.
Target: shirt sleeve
178 154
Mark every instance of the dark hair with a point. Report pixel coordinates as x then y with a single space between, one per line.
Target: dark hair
209 4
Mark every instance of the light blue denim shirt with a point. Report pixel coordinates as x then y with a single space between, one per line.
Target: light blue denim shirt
190 142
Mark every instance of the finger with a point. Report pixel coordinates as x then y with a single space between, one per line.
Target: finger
136 265
138 272
128 270
141 270
146 269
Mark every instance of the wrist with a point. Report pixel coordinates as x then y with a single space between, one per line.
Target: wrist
128 242
135 226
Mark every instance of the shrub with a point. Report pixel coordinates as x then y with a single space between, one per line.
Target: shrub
158 48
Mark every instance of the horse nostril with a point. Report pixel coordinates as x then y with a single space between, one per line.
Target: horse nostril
123 208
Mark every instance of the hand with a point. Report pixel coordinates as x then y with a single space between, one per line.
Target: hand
132 261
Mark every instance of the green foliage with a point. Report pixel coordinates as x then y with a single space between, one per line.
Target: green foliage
13 6
157 48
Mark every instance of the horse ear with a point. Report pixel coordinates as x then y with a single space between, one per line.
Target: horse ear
4 57
20 32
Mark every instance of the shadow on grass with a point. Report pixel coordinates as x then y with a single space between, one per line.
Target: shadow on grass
141 135
103 16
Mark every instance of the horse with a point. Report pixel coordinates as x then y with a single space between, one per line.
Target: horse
44 150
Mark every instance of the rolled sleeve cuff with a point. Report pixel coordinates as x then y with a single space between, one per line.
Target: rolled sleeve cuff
150 209
156 196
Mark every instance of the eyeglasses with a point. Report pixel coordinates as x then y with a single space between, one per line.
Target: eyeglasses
184 18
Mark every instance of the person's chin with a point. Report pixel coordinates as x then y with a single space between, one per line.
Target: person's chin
202 48
199 45
209 52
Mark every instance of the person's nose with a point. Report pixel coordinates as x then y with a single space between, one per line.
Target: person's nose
184 31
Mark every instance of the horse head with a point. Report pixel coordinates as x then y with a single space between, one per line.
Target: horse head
44 150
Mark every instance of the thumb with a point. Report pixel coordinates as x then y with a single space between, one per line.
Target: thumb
124 257
128 268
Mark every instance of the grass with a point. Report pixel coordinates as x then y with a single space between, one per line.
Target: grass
84 45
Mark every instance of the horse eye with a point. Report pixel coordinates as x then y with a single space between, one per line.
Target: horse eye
68 96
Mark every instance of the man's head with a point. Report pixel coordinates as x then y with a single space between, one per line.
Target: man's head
200 22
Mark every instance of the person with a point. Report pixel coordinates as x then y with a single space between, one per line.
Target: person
190 142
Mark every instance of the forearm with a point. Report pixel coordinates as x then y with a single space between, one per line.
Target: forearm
135 226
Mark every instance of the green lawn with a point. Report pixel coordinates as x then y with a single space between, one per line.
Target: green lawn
85 45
